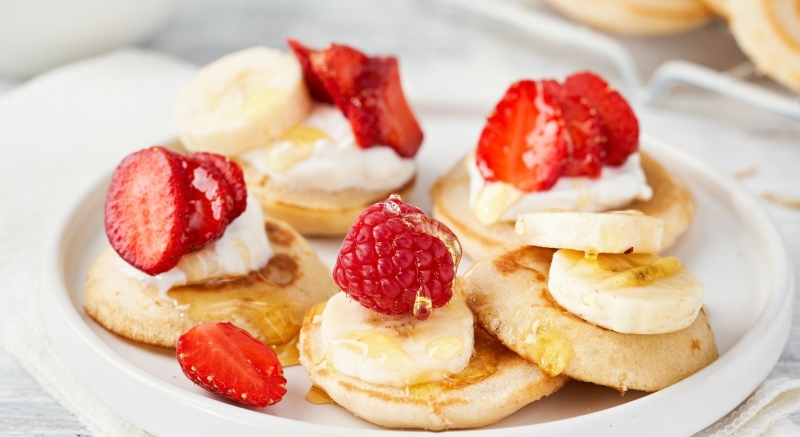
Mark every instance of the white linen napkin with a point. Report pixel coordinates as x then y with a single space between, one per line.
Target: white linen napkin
60 132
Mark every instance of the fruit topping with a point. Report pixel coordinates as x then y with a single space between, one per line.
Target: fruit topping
161 205
622 127
147 209
368 92
233 176
228 361
542 130
586 135
523 142
210 200
397 260
313 81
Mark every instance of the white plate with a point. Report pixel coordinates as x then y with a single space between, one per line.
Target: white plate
732 246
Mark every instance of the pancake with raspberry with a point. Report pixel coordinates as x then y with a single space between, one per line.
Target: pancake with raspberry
546 138
400 348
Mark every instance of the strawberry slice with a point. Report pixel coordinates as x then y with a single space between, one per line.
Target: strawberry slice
368 92
339 67
209 203
233 175
621 125
523 142
228 361
379 113
585 134
313 81
147 209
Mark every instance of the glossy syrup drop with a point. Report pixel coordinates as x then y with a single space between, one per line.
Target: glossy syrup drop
423 306
318 396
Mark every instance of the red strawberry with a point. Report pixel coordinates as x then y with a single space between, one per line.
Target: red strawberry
209 204
147 209
339 67
620 122
234 177
585 134
314 83
523 142
379 113
368 92
228 361
392 253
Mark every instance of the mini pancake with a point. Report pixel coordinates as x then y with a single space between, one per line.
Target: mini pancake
636 17
495 384
314 212
672 202
768 31
269 303
507 290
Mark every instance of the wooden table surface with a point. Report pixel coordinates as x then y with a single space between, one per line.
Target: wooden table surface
442 46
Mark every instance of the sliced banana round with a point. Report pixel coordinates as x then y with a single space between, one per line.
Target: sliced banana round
242 101
629 294
397 351
601 232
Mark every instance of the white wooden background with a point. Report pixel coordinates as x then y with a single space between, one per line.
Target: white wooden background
447 50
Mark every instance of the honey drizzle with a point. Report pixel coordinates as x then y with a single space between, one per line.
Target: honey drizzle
318 396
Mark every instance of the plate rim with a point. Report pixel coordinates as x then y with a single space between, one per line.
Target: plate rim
774 320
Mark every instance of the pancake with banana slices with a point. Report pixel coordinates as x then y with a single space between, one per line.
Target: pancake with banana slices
268 303
672 202
508 292
496 383
315 152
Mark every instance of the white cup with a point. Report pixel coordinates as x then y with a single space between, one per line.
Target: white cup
36 35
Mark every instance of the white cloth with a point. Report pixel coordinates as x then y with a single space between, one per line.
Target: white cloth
62 131
58 134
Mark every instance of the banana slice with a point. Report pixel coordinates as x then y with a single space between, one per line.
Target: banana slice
242 101
599 232
629 294
397 351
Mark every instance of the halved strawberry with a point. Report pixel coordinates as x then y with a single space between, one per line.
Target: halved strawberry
313 82
208 204
147 209
620 122
368 92
379 113
523 141
585 134
233 175
228 361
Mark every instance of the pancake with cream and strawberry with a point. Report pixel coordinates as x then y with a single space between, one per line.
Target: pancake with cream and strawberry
593 310
571 145
398 347
320 134
188 245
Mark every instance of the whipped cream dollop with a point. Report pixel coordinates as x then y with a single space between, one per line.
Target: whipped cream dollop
616 187
335 162
243 248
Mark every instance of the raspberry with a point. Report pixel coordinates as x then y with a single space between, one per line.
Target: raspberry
395 258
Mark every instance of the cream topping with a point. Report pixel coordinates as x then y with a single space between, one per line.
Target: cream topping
243 248
333 163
